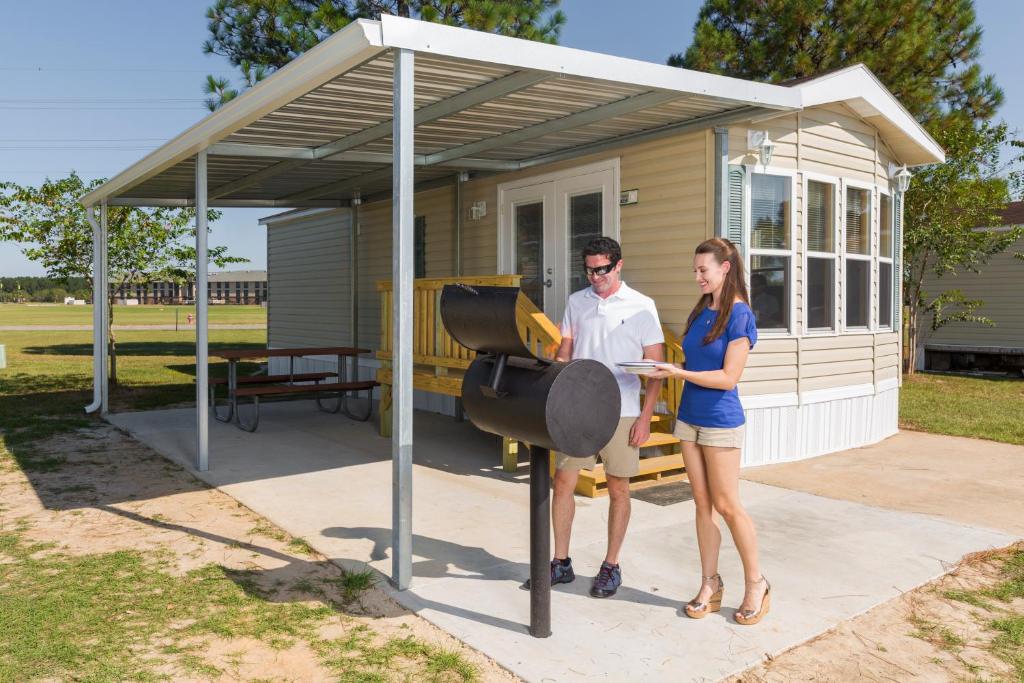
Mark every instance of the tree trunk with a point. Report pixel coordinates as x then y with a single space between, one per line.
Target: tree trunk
911 340
112 344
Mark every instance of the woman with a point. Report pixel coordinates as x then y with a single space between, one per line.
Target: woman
719 335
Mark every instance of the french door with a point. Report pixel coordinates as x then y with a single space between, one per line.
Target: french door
545 225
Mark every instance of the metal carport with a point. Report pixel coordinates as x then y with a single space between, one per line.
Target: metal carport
383 108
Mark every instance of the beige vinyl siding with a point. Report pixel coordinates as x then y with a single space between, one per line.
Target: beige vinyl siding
771 368
375 230
1000 284
308 281
658 234
675 180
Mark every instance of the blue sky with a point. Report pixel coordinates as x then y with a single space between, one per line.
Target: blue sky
92 86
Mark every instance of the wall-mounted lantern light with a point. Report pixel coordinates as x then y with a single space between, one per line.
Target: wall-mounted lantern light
758 140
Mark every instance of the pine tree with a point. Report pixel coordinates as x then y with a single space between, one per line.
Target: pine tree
260 36
924 51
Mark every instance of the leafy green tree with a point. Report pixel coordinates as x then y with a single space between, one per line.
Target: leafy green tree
261 36
142 243
947 201
925 51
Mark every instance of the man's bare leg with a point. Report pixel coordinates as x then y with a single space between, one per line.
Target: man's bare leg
618 516
563 510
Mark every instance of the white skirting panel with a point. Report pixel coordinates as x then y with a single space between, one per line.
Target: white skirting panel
796 432
435 403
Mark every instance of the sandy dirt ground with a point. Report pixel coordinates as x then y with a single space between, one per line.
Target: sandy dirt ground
116 494
980 483
920 636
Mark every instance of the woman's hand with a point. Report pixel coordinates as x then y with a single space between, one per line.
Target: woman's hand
665 370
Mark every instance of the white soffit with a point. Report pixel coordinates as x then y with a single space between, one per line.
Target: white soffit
490 48
355 43
859 89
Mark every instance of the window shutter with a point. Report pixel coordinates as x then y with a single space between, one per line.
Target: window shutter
897 261
737 206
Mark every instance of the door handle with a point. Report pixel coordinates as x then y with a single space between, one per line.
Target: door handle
548 282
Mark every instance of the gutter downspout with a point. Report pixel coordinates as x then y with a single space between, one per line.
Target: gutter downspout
721 180
353 260
460 178
97 315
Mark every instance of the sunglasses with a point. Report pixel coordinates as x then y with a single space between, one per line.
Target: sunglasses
600 270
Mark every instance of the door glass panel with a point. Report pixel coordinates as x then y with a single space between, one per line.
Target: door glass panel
529 232
585 213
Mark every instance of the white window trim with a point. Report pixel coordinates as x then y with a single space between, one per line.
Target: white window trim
835 256
505 249
791 252
890 259
869 258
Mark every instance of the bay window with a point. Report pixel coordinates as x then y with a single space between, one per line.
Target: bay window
771 250
885 261
820 301
857 259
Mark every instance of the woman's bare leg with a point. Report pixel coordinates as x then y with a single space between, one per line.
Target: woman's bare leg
709 537
723 476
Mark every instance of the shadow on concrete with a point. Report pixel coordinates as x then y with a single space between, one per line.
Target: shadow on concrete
446 559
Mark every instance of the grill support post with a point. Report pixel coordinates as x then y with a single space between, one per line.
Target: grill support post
540 542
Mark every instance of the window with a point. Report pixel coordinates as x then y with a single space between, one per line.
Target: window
820 303
885 261
858 257
771 250
420 247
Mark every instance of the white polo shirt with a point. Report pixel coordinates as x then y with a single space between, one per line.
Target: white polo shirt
611 331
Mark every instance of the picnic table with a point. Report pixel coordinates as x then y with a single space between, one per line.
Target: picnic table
288 385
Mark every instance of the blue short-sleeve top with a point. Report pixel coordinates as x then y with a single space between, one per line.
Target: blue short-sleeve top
706 407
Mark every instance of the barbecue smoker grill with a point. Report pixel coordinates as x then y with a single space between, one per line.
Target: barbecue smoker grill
569 407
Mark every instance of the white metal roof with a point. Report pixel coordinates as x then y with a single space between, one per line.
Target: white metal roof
318 131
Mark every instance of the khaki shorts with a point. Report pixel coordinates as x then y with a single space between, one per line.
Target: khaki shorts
716 437
619 458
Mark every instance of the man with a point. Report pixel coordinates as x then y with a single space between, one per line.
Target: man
609 322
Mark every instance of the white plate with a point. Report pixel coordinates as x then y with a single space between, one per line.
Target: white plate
637 367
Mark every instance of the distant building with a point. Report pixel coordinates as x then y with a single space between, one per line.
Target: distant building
232 287
1000 284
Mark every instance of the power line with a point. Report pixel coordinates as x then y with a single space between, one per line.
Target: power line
140 69
10 148
96 100
118 108
162 139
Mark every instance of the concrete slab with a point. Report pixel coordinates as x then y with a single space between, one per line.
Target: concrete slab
948 476
328 480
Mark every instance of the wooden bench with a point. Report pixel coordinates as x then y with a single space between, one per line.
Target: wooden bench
341 389
259 379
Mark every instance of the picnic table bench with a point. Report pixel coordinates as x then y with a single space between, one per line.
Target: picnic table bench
292 384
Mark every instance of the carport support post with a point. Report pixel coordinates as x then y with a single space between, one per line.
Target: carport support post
103 301
540 542
402 272
202 335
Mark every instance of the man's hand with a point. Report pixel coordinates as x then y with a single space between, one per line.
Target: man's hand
640 431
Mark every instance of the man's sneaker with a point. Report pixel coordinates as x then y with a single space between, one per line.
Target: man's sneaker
560 573
607 581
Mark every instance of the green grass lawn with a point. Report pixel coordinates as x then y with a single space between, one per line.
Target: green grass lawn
53 314
48 379
964 406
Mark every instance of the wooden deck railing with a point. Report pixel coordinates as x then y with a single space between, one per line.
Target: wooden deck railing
440 361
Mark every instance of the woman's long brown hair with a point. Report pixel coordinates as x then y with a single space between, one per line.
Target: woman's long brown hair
735 285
